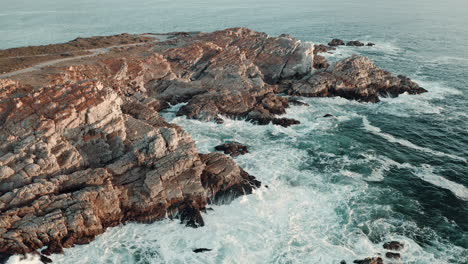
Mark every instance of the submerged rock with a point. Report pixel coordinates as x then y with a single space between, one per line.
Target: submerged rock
200 250
328 115
45 259
294 101
370 44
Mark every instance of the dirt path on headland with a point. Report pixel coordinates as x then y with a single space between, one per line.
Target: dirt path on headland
94 52
22 60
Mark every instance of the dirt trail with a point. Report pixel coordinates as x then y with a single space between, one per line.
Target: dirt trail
94 52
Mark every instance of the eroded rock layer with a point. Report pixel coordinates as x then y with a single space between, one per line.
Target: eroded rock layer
77 158
83 147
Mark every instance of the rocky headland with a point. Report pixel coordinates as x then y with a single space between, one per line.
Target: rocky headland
83 147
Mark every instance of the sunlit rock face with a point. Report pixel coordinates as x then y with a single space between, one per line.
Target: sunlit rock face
83 147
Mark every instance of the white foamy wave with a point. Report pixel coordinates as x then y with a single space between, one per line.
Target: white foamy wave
390 138
417 104
342 52
385 47
426 173
302 217
28 259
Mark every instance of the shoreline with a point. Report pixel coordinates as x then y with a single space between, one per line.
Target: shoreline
90 135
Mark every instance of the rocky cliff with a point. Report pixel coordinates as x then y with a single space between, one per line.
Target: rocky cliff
83 147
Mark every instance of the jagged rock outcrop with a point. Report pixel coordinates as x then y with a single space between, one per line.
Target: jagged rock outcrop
357 78
77 158
83 147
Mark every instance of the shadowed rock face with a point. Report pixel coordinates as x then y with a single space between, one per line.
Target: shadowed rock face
83 147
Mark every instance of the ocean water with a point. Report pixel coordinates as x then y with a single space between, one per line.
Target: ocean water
338 188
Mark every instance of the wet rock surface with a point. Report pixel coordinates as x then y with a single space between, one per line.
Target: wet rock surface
83 147
294 101
374 260
233 148
392 255
355 43
393 245
336 42
201 250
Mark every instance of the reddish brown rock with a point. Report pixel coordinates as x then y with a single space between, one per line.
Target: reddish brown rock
356 78
320 48
83 147
320 62
78 158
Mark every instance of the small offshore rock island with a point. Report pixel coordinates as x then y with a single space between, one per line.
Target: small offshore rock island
83 147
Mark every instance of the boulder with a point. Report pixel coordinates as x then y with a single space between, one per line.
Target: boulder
374 260
393 245
320 62
355 43
200 250
232 148
83 158
322 49
392 255
336 42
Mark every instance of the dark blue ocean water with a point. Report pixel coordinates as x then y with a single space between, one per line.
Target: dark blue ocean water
340 187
